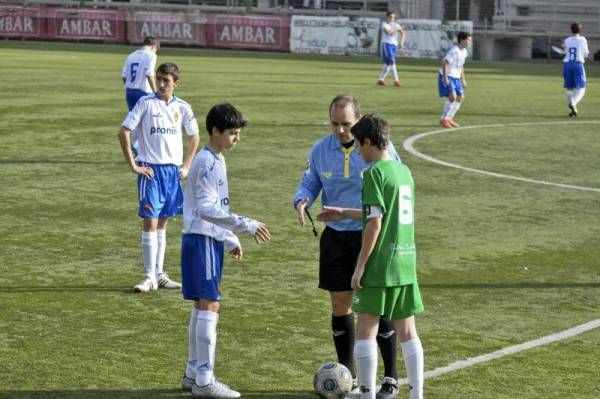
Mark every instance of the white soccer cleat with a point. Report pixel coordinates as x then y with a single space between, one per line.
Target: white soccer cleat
165 282
146 285
214 390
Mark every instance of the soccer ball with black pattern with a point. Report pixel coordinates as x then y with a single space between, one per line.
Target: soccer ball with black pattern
332 381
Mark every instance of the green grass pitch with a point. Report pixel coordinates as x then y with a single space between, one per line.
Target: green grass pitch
500 261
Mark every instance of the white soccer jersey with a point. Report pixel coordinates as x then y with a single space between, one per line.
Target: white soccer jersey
386 38
576 49
455 58
139 65
160 135
206 202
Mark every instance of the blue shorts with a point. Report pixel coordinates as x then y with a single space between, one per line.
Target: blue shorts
133 95
161 196
574 75
388 53
201 267
454 86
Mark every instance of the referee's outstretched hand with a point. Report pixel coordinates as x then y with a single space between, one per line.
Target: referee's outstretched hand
262 233
300 207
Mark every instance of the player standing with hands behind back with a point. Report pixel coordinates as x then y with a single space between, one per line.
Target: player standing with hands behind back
576 51
208 229
160 166
390 30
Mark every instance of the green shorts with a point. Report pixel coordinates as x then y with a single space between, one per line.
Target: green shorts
390 302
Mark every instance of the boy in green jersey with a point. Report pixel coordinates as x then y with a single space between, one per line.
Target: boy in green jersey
385 279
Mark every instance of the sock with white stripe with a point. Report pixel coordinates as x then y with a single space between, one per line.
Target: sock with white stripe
386 340
149 249
365 352
412 352
342 329
206 344
161 239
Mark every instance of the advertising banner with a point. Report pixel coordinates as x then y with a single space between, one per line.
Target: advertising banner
19 21
85 24
249 32
422 38
168 27
334 35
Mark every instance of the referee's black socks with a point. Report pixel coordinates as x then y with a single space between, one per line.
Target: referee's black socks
342 329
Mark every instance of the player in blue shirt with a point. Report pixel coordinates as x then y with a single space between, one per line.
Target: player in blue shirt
335 170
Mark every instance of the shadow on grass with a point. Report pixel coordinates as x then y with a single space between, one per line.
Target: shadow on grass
140 394
524 285
58 161
63 288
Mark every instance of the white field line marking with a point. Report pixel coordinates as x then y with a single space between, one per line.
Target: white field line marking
559 336
408 146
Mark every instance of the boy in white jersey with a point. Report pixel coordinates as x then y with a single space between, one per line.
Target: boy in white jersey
451 79
160 165
390 30
138 75
576 51
208 229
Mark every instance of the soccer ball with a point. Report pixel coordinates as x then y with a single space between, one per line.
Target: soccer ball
332 380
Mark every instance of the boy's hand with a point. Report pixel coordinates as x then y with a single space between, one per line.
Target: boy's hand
331 214
183 172
262 233
144 170
356 277
236 253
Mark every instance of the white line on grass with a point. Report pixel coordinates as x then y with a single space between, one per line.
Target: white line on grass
409 142
548 339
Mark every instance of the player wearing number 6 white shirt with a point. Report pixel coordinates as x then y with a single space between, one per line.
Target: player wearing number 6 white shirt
208 229
576 51
160 166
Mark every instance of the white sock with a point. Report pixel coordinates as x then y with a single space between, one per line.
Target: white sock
569 96
206 343
365 352
394 72
577 96
161 239
384 72
412 351
447 106
190 370
149 249
454 109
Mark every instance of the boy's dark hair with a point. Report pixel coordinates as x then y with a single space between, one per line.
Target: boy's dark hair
374 128
168 68
462 36
151 41
576 27
387 14
224 116
342 101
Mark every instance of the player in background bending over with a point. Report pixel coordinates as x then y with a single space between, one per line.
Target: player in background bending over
138 76
576 51
385 278
451 79
160 165
208 230
334 170
390 30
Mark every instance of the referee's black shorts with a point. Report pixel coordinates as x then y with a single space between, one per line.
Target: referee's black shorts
338 254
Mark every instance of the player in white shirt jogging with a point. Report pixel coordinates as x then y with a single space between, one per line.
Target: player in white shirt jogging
390 30
451 79
208 230
576 51
138 75
160 166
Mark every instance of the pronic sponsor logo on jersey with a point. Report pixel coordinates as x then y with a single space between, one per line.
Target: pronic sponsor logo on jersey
162 130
